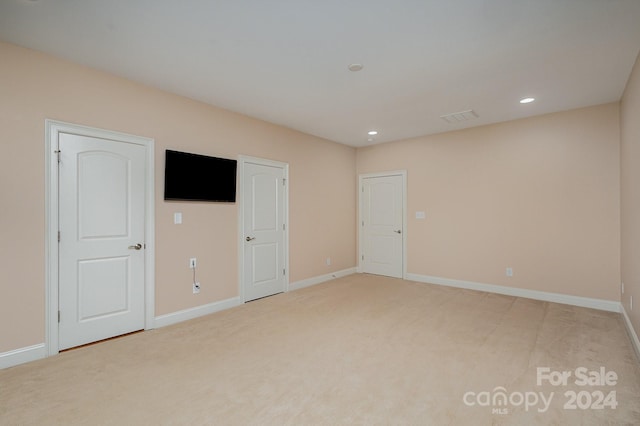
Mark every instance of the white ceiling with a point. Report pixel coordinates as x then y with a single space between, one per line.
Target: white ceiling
285 61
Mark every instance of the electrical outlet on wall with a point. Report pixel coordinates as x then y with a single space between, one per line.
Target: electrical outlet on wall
509 271
196 288
192 263
328 261
622 287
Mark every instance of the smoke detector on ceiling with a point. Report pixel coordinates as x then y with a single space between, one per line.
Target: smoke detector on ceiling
457 117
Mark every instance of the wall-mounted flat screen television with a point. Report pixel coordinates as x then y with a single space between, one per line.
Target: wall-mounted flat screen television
194 177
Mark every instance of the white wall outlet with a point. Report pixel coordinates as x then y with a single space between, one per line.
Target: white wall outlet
196 288
192 263
509 271
622 287
328 261
421 215
177 218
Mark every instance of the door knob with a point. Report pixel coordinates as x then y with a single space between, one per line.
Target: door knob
136 247
398 231
250 238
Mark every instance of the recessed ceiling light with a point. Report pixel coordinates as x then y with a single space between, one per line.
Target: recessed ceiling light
527 100
355 67
372 133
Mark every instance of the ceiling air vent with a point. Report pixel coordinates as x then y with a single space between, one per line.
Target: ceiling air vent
457 117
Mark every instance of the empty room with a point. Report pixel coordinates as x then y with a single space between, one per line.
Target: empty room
368 212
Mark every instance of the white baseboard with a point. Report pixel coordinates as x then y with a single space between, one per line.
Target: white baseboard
22 355
35 352
198 311
635 342
320 279
585 302
191 313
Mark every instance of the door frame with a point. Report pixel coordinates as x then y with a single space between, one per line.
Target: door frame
361 177
53 129
242 161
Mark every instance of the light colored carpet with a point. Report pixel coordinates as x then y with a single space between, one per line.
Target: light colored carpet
358 350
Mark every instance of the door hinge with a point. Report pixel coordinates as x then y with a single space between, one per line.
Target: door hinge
57 152
363 257
363 189
284 227
58 236
58 317
363 223
284 181
284 272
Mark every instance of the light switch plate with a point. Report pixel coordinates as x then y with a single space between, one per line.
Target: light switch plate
177 218
421 215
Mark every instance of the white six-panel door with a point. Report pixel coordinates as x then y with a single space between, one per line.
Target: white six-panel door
102 239
382 218
263 211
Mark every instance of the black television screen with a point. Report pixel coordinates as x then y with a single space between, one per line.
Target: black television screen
196 177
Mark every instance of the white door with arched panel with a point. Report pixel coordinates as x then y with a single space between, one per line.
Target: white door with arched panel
264 258
382 230
101 238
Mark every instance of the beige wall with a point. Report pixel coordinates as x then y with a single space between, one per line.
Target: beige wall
630 198
34 87
540 195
